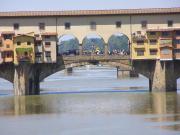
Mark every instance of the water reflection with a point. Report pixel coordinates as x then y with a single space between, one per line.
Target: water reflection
106 103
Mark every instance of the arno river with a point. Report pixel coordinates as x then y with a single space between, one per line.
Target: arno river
90 101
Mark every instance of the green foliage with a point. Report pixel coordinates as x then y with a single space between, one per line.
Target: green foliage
117 42
65 46
22 50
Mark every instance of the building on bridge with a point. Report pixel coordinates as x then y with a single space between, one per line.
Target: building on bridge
49 42
1 58
39 55
162 44
24 48
153 36
7 46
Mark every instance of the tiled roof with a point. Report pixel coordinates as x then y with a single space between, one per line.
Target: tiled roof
165 29
7 32
91 12
19 35
49 34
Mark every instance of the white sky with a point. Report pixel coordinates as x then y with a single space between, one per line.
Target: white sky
14 5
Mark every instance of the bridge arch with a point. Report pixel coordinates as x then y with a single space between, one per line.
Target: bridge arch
68 44
119 44
77 63
93 44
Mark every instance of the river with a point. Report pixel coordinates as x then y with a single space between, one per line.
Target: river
90 101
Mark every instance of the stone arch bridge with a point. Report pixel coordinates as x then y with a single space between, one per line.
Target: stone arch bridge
26 78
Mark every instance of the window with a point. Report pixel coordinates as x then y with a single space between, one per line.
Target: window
8 54
47 44
177 51
177 41
140 42
28 43
140 52
48 54
38 54
16 26
153 41
93 25
144 24
152 33
1 43
18 43
38 43
165 51
170 23
41 26
153 52
118 24
165 33
178 33
7 46
8 36
67 25
47 37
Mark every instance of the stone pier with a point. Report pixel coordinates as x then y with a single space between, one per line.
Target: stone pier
26 79
163 78
68 70
126 73
161 74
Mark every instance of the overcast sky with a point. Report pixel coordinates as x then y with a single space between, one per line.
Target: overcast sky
21 5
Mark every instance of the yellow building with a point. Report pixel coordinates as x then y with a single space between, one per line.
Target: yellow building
140 48
160 44
24 48
7 46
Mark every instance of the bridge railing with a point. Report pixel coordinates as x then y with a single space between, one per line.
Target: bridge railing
96 57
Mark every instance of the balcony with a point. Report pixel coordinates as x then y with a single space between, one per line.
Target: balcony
166 43
138 37
177 54
8 59
24 58
177 43
152 35
166 53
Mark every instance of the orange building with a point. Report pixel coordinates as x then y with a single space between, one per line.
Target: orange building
7 46
1 58
166 44
177 44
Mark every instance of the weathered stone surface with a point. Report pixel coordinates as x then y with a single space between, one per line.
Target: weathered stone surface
161 74
163 78
26 79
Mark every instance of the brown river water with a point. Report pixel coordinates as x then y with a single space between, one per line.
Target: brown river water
90 101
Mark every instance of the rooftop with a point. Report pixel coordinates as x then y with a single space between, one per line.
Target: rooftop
91 12
165 29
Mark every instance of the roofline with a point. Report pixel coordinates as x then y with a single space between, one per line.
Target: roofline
141 11
163 29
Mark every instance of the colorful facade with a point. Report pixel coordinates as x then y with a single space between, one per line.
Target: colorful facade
163 44
39 57
24 48
49 42
7 46
1 58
